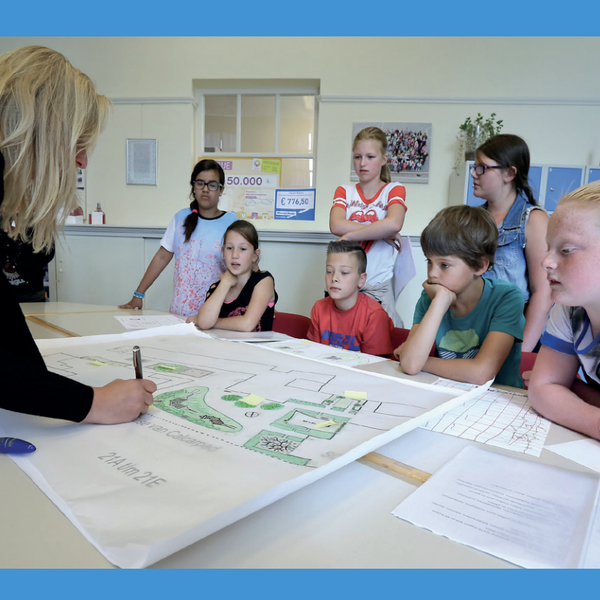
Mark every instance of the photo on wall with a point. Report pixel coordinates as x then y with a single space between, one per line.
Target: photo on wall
409 150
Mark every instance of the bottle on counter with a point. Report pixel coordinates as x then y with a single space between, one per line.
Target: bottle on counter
97 217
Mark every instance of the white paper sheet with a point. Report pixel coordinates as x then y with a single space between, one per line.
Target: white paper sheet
146 322
404 267
247 336
322 353
141 491
585 452
498 418
527 513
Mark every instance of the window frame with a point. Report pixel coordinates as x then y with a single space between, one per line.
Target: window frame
258 91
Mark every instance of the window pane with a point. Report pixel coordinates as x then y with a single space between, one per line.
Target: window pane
219 123
258 124
297 173
296 123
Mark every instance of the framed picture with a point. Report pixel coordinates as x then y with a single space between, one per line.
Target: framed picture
408 149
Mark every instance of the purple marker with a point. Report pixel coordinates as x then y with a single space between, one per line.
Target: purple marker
15 446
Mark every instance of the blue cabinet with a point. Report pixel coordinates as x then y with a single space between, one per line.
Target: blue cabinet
592 174
559 182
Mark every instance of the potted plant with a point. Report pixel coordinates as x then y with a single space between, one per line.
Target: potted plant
472 134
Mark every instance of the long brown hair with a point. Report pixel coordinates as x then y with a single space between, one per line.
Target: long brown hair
509 150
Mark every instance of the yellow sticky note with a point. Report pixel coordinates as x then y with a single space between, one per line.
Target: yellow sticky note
356 395
326 424
253 400
97 363
270 166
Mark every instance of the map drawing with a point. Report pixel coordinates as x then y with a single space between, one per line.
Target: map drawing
498 418
234 427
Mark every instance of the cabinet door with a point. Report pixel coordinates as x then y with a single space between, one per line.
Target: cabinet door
561 181
592 174
535 180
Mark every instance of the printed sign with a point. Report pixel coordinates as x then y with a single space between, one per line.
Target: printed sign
250 185
296 205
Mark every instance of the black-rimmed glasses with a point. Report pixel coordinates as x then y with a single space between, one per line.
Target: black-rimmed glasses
479 170
213 186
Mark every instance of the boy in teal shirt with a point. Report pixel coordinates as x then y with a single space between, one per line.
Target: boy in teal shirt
476 323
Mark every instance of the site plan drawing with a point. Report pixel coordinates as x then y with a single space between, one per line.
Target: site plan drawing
498 418
234 428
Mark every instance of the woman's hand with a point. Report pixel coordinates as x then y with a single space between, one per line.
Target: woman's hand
121 401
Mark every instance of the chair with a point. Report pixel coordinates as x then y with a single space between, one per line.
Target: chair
399 336
291 324
527 361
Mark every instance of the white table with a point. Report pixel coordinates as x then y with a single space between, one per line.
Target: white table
342 521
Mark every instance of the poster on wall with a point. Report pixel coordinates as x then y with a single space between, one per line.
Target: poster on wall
250 185
408 149
295 204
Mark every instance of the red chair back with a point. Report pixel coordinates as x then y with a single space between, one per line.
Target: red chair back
527 361
399 336
291 324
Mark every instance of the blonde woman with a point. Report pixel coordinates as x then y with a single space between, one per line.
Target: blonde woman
50 117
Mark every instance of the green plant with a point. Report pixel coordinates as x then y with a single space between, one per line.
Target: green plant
473 133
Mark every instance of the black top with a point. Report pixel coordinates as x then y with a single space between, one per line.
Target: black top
23 268
27 385
239 306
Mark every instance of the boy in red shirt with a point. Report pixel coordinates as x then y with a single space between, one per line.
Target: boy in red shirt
346 318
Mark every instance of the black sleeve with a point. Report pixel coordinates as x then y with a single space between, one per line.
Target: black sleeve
211 289
27 386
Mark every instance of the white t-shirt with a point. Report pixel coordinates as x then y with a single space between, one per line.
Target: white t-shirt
380 255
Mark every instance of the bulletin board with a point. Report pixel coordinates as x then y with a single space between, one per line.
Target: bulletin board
250 186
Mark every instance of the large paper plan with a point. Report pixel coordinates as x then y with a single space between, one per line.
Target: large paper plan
234 428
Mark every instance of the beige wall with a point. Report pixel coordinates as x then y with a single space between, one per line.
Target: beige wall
545 89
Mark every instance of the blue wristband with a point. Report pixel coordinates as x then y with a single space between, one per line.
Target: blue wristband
139 295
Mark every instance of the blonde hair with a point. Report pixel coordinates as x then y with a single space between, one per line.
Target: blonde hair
587 195
375 134
49 111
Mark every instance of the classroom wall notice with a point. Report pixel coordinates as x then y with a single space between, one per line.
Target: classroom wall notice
250 185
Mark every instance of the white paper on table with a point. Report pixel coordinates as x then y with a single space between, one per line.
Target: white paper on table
527 513
496 417
404 267
143 490
148 321
584 452
246 336
322 353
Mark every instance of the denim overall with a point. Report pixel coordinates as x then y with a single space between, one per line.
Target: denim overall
510 263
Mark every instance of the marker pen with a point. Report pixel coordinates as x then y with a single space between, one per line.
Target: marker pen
15 446
137 362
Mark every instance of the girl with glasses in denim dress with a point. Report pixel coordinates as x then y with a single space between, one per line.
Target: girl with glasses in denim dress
500 176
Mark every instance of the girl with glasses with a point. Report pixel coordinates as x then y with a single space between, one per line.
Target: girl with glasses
500 176
194 237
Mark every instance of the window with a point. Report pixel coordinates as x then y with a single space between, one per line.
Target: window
260 121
